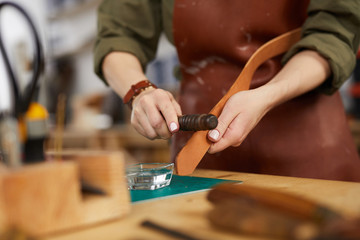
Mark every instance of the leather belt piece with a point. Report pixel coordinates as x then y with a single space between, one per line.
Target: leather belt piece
194 150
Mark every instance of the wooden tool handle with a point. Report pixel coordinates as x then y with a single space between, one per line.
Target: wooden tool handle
244 218
197 122
259 211
194 150
285 203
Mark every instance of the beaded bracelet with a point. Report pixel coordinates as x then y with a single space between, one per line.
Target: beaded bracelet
135 90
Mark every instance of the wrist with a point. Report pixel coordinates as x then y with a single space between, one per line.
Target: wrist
271 95
135 90
283 87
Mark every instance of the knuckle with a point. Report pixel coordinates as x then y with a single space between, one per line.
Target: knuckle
161 94
237 142
156 122
163 132
165 136
229 104
237 139
151 134
135 114
144 100
168 109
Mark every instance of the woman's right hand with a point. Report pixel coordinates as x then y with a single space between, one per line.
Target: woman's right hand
154 111
155 114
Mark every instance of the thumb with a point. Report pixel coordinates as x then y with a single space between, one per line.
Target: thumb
216 134
224 120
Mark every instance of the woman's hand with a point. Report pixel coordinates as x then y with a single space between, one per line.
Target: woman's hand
304 72
155 114
155 111
240 115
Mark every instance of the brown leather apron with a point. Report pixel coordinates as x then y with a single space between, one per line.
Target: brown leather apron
305 137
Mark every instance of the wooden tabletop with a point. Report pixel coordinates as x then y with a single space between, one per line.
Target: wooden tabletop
188 213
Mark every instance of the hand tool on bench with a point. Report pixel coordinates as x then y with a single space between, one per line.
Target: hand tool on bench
192 153
245 218
260 211
289 204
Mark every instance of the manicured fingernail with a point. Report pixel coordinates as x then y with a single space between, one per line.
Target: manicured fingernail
173 126
214 134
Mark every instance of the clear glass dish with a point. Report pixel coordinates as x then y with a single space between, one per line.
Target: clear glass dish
149 176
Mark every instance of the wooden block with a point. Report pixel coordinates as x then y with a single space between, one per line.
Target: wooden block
104 171
3 215
45 198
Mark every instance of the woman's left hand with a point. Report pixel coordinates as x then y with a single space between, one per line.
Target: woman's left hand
240 115
304 72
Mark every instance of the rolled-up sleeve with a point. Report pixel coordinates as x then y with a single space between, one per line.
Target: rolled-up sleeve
332 29
132 26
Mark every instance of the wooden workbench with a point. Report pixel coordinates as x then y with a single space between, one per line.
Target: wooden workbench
188 213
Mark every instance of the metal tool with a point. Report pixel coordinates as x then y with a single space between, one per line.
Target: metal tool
198 122
170 232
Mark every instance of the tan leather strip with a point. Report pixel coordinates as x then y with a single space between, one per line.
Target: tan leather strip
194 150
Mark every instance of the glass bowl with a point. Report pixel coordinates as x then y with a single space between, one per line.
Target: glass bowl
149 176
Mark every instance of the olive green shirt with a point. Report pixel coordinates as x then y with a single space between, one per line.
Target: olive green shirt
332 28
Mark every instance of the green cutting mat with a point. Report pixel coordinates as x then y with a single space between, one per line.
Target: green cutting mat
179 185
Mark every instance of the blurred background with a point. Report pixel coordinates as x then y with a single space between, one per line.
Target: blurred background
93 116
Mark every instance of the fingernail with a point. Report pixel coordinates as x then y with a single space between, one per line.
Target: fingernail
214 134
173 126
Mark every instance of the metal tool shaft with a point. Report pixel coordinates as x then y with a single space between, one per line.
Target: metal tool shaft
197 122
